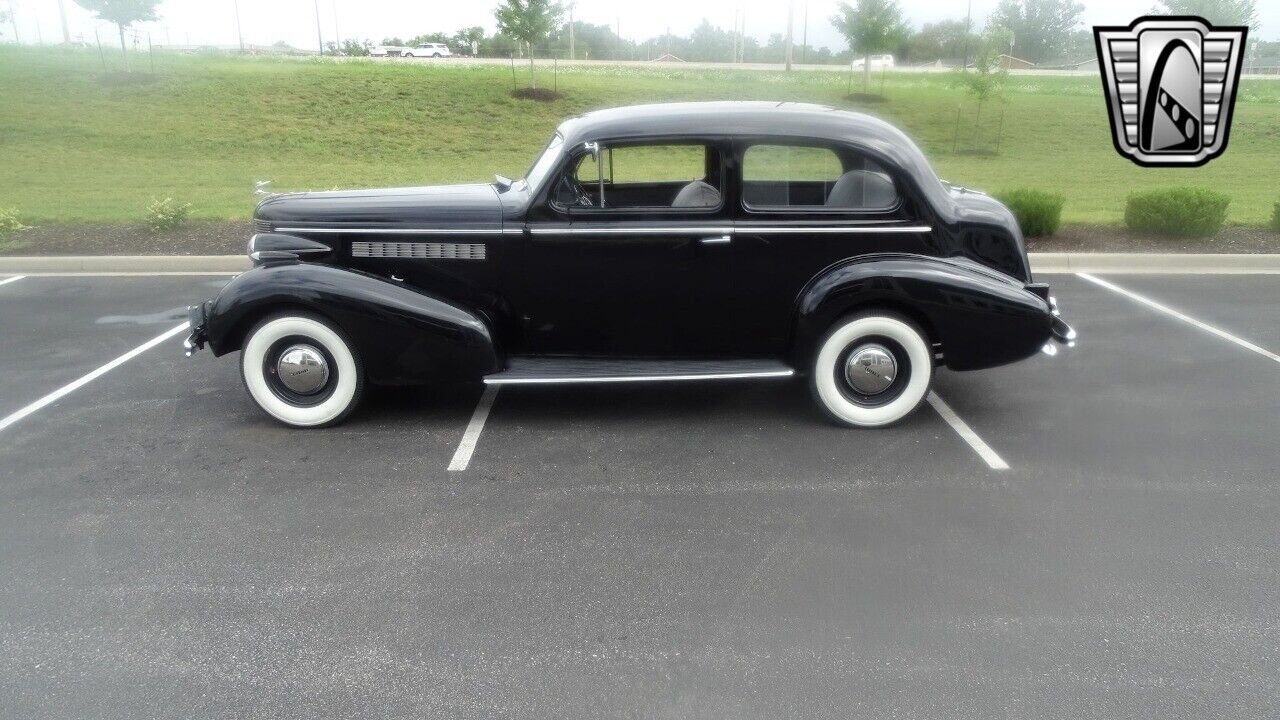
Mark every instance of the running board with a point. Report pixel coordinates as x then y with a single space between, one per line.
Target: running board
547 370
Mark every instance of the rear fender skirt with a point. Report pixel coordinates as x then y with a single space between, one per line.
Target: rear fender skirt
403 336
980 318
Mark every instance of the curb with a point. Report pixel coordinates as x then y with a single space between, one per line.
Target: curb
1170 263
1048 263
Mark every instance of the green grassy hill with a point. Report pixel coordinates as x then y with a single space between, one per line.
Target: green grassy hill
76 146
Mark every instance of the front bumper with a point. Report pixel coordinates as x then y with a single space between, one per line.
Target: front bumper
197 318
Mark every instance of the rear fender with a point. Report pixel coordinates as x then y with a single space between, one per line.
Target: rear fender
402 335
980 317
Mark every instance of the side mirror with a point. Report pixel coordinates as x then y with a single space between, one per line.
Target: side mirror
503 183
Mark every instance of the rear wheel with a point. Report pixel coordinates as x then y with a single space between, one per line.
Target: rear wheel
872 369
301 370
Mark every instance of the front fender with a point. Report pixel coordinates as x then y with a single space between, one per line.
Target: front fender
980 317
402 335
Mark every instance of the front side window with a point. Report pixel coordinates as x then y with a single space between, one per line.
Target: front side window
803 176
677 175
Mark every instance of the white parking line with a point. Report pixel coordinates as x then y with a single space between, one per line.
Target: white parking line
86 379
1185 318
8 280
462 456
966 433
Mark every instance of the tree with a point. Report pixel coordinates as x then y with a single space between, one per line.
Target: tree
1040 27
468 39
356 48
870 27
1218 12
123 13
944 40
987 81
530 22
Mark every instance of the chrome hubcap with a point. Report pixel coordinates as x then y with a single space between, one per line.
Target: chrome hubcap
302 369
871 369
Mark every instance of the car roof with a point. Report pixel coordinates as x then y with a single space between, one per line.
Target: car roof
725 118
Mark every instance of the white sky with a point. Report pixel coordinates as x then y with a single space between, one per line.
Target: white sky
266 21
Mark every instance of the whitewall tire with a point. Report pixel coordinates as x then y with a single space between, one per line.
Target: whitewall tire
872 369
301 370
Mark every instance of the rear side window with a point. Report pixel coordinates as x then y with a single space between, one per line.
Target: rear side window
802 176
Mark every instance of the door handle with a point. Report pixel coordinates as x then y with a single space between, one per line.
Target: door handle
716 240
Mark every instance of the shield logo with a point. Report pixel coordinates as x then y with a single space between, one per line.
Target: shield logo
1170 84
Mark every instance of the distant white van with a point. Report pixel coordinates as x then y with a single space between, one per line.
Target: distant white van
877 61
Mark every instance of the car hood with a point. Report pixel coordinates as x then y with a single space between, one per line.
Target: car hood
444 206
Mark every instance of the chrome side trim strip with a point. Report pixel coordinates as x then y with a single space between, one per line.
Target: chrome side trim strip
641 230
636 230
740 229
404 231
491 380
829 230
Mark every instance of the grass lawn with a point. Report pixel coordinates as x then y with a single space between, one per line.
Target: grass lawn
76 147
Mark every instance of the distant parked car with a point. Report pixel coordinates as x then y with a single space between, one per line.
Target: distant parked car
435 50
877 61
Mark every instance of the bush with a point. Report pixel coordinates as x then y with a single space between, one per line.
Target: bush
166 214
1177 212
1039 213
9 222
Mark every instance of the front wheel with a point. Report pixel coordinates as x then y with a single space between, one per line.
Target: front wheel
301 370
872 369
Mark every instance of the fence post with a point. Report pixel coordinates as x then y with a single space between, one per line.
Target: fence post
512 55
151 54
555 75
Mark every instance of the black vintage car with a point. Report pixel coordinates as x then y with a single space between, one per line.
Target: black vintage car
697 241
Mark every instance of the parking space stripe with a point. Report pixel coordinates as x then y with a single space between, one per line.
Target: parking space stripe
966 433
462 456
1183 317
8 280
86 379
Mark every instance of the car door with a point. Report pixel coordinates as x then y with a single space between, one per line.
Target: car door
800 206
611 254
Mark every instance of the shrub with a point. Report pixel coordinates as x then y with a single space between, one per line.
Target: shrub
9 222
1039 213
1177 211
1275 218
166 214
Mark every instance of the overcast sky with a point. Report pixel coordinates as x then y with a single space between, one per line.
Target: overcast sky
294 21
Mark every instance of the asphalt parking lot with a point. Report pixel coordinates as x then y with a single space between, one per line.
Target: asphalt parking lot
680 550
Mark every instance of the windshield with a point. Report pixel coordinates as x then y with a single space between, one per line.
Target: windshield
544 163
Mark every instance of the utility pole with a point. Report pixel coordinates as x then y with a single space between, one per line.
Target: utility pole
319 35
572 50
742 46
337 35
62 12
13 20
804 44
239 34
790 6
968 23
734 52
